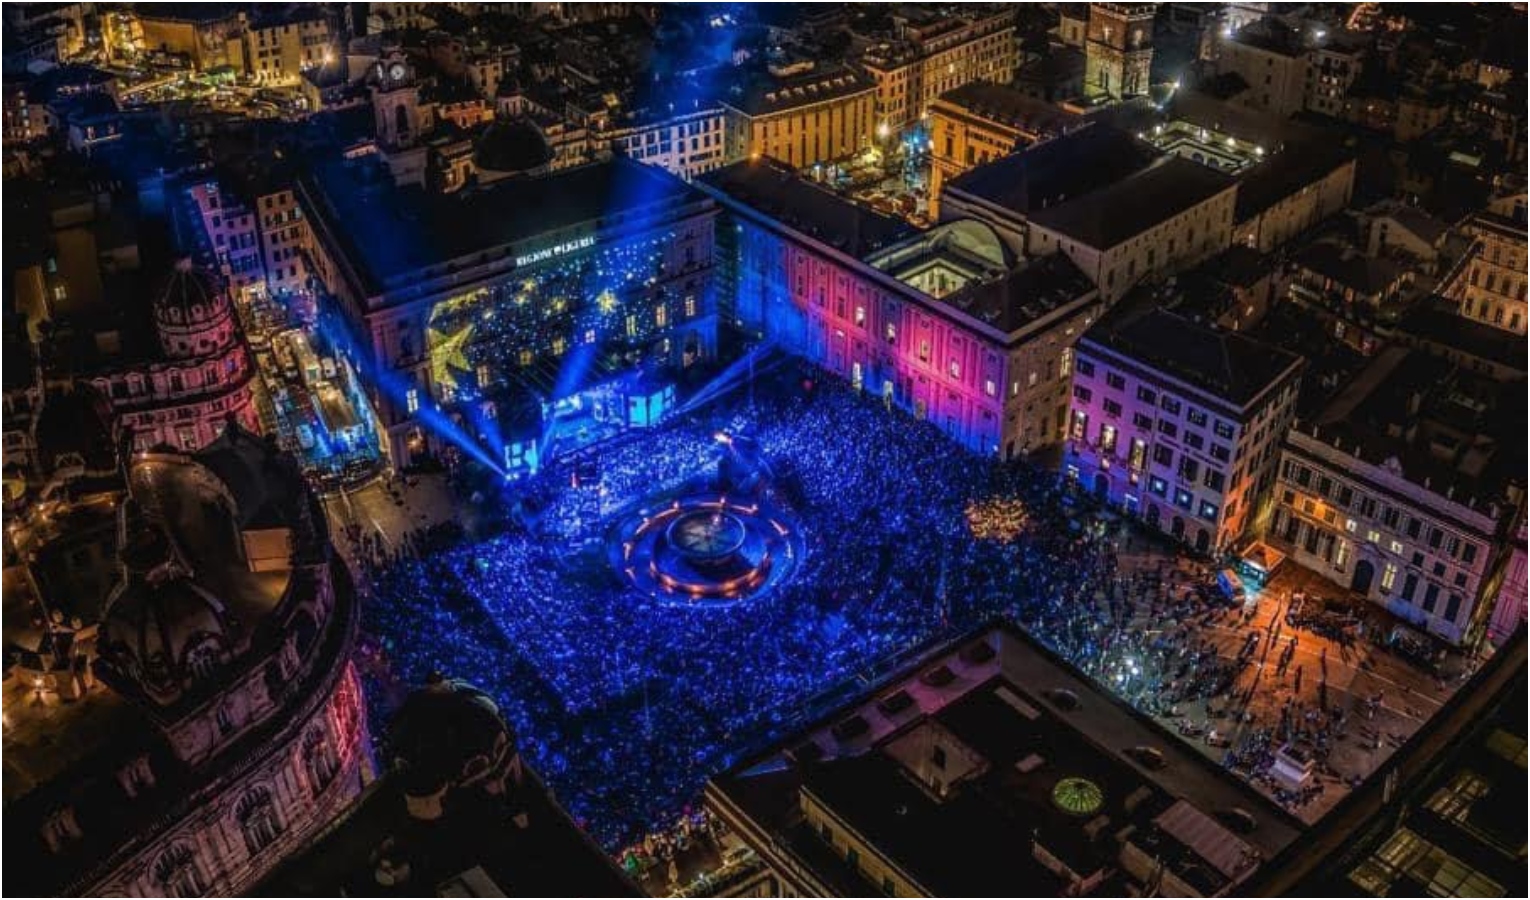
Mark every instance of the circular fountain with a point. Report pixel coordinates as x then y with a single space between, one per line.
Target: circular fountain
706 549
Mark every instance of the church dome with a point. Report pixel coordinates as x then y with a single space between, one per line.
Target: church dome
166 634
447 736
512 145
191 310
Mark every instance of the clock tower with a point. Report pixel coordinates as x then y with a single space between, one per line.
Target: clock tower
396 103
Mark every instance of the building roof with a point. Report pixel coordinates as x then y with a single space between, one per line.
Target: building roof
1010 756
760 93
1027 294
388 232
1008 106
1228 364
1282 174
773 189
1120 211
1053 171
1440 323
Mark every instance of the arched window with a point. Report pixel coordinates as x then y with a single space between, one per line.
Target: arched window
320 758
177 873
257 819
203 660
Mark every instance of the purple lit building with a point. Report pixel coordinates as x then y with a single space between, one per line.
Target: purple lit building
1179 422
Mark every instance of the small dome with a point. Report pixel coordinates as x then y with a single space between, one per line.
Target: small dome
512 145
165 633
449 735
188 296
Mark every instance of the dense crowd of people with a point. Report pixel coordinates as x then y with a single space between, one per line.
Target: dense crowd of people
627 704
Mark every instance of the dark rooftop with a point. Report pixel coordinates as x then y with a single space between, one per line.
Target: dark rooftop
1027 294
1228 364
774 190
1005 104
1439 323
759 93
1053 171
1112 214
1284 173
389 231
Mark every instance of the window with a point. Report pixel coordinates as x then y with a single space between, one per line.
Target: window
1167 428
1196 417
892 333
938 757
1112 408
955 369
412 400
1214 479
1223 430
1108 438
1065 363
1184 499
257 820
1082 393
1220 453
1194 440
1158 486
1080 425
1208 511
990 388
1115 381
1163 455
320 760
1086 368
1146 395
176 871
1142 421
1189 469
1388 576
1170 406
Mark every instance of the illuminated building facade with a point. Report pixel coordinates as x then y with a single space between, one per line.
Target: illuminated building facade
1490 284
1405 522
1118 50
1179 423
946 325
215 723
460 304
801 114
932 52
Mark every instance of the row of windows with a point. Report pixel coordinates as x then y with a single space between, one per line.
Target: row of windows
1395 519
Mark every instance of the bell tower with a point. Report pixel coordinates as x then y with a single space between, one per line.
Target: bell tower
396 103
1118 52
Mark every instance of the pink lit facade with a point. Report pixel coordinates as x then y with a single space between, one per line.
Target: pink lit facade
984 387
204 375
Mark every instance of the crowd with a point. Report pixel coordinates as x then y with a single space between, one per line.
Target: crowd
626 704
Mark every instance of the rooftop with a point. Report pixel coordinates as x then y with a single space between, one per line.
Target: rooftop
1053 171
776 191
1120 211
1284 173
761 93
1009 758
390 232
1455 433
1228 364
1006 105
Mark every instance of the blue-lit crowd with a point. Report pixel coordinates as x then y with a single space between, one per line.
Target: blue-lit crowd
627 704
